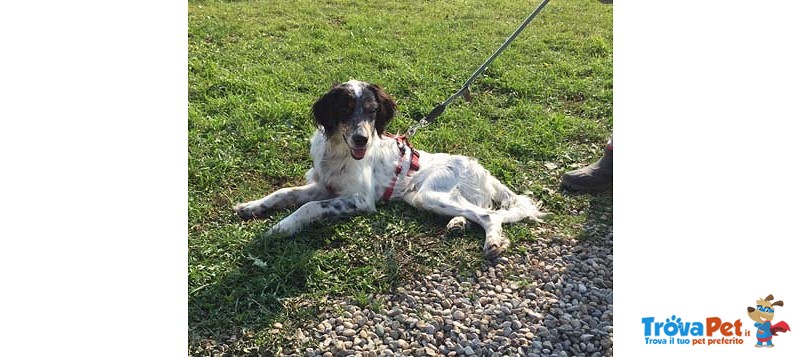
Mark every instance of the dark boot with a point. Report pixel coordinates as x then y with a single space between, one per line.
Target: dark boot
596 177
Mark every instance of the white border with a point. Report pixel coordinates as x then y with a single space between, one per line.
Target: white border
705 144
93 146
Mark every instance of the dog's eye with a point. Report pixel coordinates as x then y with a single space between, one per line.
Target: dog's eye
371 110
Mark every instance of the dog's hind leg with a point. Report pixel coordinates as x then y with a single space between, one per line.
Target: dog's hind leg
448 205
283 198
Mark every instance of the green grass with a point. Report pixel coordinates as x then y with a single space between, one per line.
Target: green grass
255 68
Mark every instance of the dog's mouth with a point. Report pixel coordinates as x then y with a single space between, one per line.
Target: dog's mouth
358 154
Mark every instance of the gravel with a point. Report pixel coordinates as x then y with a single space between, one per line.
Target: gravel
555 300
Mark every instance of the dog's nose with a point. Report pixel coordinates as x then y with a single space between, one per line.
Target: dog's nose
359 140
750 309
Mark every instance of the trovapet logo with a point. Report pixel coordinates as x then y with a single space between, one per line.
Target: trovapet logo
711 331
715 330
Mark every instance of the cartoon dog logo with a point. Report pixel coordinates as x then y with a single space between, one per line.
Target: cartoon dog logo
763 314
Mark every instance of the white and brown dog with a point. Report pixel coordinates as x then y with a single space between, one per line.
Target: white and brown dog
356 165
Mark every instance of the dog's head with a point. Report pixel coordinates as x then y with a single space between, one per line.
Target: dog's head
355 110
764 310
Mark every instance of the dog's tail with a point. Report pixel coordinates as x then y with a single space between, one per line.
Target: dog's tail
511 207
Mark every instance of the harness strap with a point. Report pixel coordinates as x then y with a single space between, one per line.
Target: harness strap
402 144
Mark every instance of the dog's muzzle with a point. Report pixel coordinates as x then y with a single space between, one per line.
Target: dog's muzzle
360 150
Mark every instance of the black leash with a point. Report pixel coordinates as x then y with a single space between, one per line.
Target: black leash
465 88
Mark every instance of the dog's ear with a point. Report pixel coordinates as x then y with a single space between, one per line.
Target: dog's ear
769 297
386 108
324 109
778 303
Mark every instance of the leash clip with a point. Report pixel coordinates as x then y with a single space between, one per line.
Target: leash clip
413 129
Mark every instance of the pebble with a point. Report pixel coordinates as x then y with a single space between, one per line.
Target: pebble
402 344
458 315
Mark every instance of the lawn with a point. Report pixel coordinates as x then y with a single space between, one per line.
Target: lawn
255 68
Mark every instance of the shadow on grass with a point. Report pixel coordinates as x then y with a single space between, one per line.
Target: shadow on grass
249 298
287 278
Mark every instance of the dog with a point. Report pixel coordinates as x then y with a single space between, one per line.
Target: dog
763 314
356 165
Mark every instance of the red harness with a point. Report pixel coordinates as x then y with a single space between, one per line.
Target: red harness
402 144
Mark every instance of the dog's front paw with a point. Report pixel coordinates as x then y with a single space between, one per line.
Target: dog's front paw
250 210
283 228
495 246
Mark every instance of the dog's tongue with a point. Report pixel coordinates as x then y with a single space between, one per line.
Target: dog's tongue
358 154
